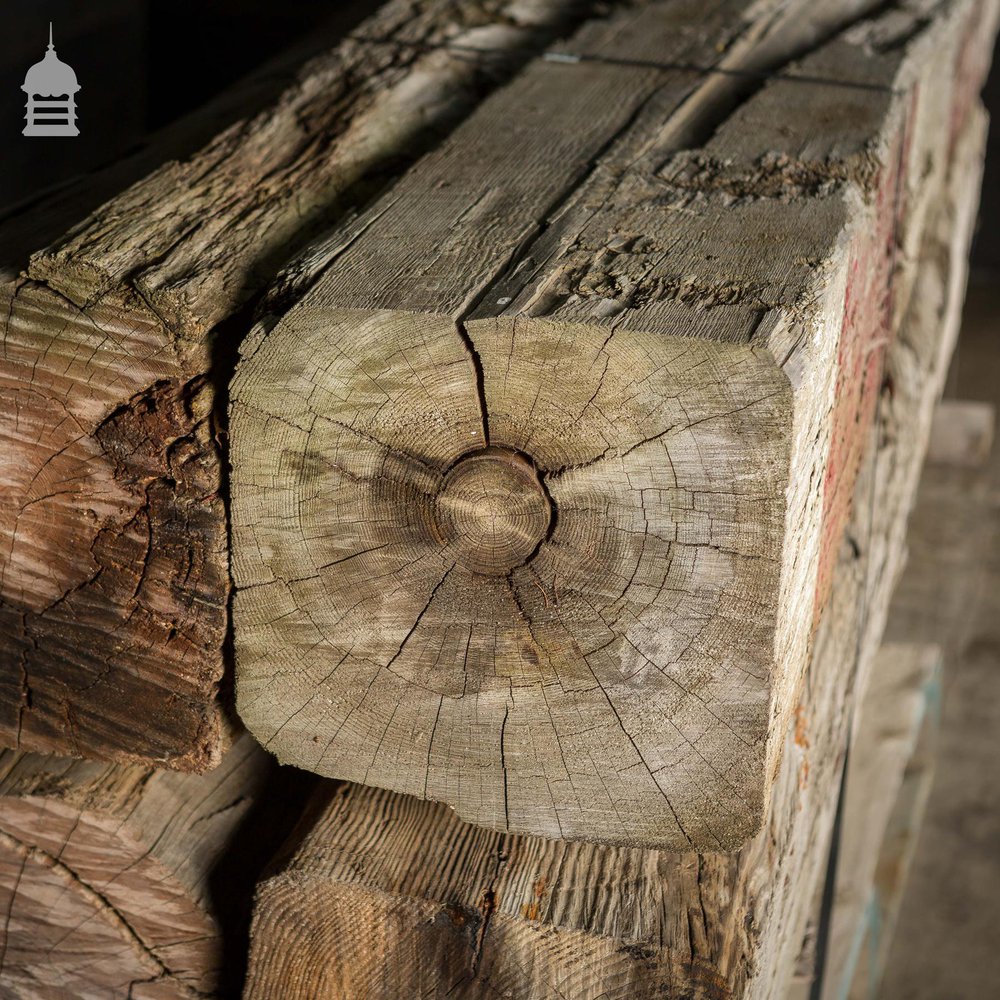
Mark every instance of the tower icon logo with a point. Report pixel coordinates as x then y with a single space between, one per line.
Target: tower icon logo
51 87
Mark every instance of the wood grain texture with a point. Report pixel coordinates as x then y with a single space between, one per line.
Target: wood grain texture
950 595
935 603
889 773
44 217
105 874
380 895
903 696
113 579
895 862
685 342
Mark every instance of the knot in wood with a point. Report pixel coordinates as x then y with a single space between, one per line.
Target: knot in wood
493 510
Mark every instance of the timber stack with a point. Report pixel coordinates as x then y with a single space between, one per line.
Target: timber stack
116 338
532 397
106 874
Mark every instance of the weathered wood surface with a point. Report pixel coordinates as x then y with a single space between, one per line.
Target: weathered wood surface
105 875
650 341
113 580
929 333
44 217
903 695
937 593
891 766
380 895
945 939
892 872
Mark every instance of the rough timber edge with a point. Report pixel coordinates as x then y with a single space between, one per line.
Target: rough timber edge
252 571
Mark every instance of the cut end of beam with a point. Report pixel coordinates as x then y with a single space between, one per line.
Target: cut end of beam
687 345
603 571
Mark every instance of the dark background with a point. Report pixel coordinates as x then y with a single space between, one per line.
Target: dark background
141 64
144 63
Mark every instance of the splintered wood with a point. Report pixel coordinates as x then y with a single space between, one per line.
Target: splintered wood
105 875
380 895
538 492
113 561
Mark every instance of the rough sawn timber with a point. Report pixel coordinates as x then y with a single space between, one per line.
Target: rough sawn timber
934 605
537 492
379 896
950 594
903 696
105 874
113 549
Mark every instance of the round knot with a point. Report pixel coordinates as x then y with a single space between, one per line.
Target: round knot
493 510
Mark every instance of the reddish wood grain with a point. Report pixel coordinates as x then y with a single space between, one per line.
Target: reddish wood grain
865 337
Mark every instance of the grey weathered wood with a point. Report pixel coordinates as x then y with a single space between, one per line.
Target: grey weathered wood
944 941
895 862
938 592
113 551
887 786
105 874
684 343
43 218
379 894
902 697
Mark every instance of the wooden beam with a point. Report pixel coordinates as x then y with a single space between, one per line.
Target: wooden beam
895 860
106 874
378 892
43 218
537 493
945 542
889 773
950 595
903 696
113 581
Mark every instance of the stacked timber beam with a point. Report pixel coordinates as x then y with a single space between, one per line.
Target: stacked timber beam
116 880
383 895
44 217
106 874
114 583
886 788
951 592
569 481
891 755
537 491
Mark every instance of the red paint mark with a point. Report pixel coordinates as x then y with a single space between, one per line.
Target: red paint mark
868 301
801 738
865 335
